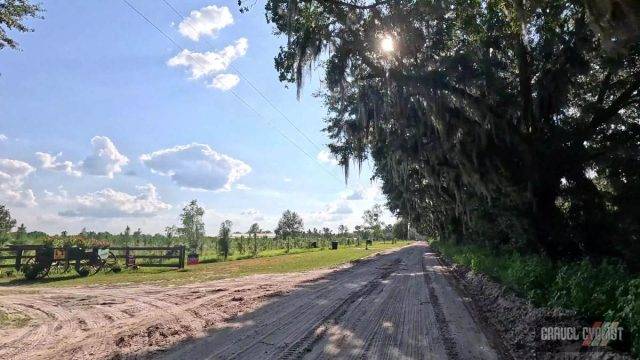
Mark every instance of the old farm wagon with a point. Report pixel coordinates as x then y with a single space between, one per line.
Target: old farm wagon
39 261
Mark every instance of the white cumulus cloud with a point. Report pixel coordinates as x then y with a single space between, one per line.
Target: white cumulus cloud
51 162
210 62
373 192
197 166
12 189
333 212
105 160
3 137
206 21
224 82
109 203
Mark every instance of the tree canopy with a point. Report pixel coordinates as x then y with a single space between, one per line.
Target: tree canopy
289 224
224 238
193 225
500 122
12 16
254 229
7 223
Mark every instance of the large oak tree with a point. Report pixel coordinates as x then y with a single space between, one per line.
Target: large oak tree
500 122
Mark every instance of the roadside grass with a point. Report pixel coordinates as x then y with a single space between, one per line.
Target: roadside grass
211 256
603 291
13 320
268 262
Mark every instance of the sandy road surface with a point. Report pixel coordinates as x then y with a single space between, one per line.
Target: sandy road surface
126 321
397 305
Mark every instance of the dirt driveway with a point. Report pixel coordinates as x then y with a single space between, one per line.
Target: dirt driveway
398 305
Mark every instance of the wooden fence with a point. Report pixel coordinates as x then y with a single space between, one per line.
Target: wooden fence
127 255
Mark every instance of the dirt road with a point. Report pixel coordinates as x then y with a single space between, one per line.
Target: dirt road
398 305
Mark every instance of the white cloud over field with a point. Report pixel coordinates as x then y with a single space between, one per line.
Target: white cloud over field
105 160
196 166
12 187
51 162
348 207
109 203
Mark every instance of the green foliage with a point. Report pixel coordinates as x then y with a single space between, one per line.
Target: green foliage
289 224
32 271
253 231
6 224
193 226
499 123
12 16
530 275
21 234
602 291
629 311
268 262
372 219
224 239
400 229
592 290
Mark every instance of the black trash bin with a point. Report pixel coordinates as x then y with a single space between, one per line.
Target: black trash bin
334 245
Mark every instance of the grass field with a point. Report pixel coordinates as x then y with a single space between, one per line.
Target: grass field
268 262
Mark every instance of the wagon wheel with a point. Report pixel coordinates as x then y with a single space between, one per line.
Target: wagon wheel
111 262
85 267
35 270
59 267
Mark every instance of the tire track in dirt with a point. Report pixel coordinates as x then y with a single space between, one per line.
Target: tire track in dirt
289 324
392 322
313 335
441 319
272 329
382 309
397 305
101 322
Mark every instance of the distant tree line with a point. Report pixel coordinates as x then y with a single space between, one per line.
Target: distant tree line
289 234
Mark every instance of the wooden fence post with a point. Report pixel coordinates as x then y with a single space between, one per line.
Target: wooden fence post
181 260
18 259
127 261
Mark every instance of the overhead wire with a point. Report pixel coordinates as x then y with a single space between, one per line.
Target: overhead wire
251 84
240 99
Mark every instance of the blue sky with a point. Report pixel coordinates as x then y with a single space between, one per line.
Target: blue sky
106 123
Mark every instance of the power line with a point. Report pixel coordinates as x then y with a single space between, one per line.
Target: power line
166 2
282 133
234 93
